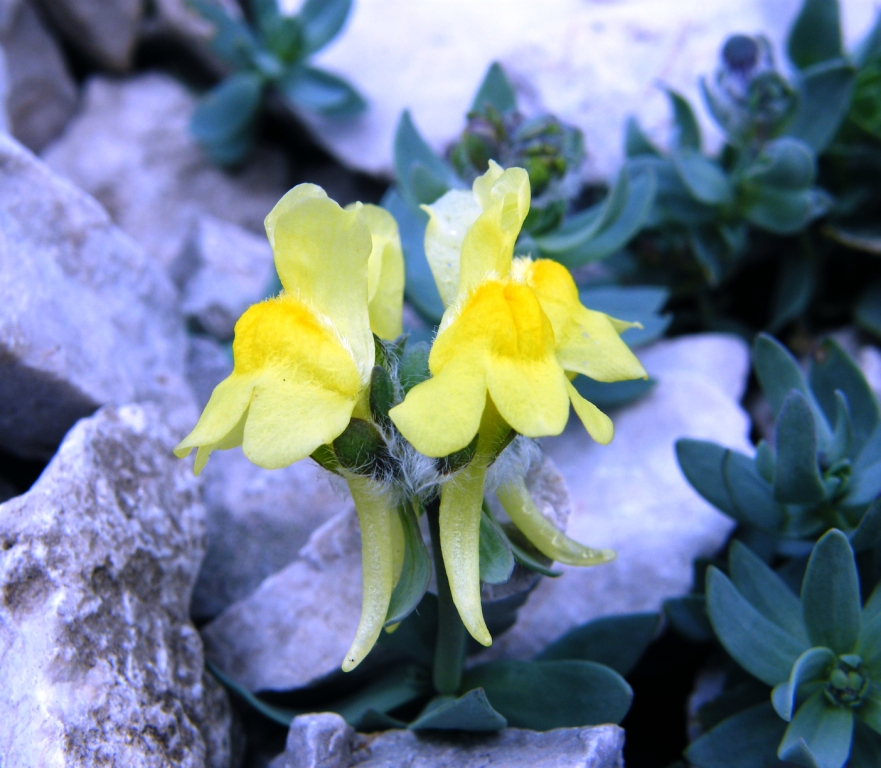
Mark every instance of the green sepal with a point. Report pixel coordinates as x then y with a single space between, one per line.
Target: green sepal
414 365
415 570
616 641
815 36
360 448
562 694
495 91
322 21
748 739
447 465
830 594
470 712
496 557
797 480
382 395
819 735
324 456
813 666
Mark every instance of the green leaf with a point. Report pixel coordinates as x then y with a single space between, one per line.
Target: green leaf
415 571
869 645
824 101
562 694
865 485
704 178
315 90
416 636
815 35
766 461
751 495
414 365
813 666
702 463
785 164
782 212
495 91
322 21
748 739
759 645
687 133
795 289
412 151
635 141
382 394
765 591
277 714
820 734
610 395
402 684
797 480
616 641
232 41
833 370
710 251
865 752
420 287
868 532
224 119
688 615
636 304
470 712
496 559
830 594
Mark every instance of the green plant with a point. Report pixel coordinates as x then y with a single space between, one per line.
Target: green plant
270 55
820 654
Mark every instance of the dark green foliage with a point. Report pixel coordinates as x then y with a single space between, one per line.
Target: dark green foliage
271 55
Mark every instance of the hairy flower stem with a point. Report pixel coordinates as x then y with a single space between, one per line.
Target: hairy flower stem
449 652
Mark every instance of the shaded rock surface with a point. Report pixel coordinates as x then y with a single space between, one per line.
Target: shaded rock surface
130 147
86 318
103 30
208 362
324 740
100 665
631 496
591 62
297 626
41 94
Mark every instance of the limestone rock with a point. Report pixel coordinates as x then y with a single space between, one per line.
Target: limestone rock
591 62
223 270
86 318
208 363
41 95
324 740
100 665
103 30
130 147
631 496
297 626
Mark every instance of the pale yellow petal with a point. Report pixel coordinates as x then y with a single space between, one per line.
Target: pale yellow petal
461 501
321 255
442 415
543 534
375 513
450 218
598 425
385 273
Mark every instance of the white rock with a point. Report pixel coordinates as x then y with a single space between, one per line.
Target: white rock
99 662
130 147
86 318
591 62
631 496
324 740
224 269
41 95
104 30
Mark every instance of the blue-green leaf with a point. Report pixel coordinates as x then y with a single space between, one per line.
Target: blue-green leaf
824 100
751 495
813 666
703 177
784 164
784 212
867 312
687 133
830 594
748 739
865 752
688 615
702 463
797 480
470 712
614 394
865 485
869 646
867 534
795 289
315 90
635 141
636 304
415 571
495 91
616 641
815 35
228 109
322 21
759 645
765 590
819 735
870 713
496 558
232 41
399 686
562 694
411 150
280 715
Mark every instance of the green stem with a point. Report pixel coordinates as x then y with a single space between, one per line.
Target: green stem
449 652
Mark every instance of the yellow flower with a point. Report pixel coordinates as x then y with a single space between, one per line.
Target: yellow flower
303 362
513 336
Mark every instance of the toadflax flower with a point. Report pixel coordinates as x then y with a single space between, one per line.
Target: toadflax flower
512 337
303 362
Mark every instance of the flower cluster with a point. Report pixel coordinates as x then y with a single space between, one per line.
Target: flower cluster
317 374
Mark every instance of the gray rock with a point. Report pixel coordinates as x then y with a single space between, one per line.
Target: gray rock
86 318
630 496
257 523
324 740
99 662
4 92
130 147
103 30
222 270
42 95
208 363
297 626
558 55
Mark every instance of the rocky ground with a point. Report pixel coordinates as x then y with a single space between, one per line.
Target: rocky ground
125 259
